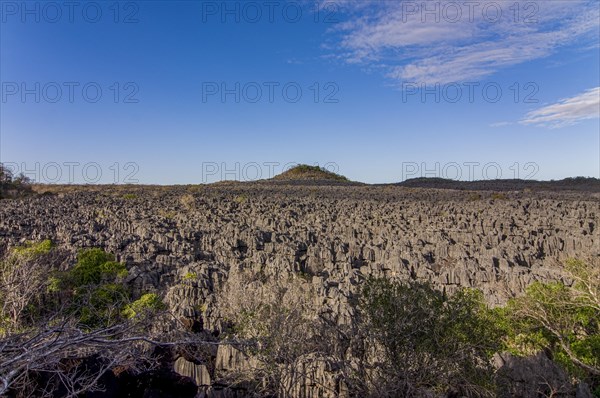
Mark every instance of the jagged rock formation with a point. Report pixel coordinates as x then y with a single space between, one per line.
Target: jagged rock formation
183 242
522 376
198 373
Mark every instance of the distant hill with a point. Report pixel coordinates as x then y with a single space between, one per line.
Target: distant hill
587 184
305 172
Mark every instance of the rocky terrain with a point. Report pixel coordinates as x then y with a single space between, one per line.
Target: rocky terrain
332 235
581 184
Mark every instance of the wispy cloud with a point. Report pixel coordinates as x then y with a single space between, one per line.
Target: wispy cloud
413 45
567 111
500 124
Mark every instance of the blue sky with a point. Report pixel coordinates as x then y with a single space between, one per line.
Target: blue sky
198 91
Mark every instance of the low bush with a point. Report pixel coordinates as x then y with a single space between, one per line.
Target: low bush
148 303
424 340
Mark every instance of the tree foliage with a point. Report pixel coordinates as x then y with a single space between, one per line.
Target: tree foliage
148 303
13 186
563 319
417 339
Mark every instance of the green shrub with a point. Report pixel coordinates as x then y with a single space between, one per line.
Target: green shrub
148 303
32 249
54 284
241 198
103 305
190 276
96 288
113 269
94 264
428 339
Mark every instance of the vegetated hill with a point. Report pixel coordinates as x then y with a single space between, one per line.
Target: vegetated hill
586 184
308 173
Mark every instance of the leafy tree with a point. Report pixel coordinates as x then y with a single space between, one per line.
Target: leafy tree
563 319
22 179
416 339
11 186
5 174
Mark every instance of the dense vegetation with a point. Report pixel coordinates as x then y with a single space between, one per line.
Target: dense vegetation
48 316
428 341
13 186
92 292
409 339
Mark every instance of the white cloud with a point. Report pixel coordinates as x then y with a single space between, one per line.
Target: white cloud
500 124
567 111
412 46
